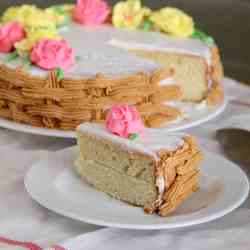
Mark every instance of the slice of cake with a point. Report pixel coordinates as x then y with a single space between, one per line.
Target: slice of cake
154 170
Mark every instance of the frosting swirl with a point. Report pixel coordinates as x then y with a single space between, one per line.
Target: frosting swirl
91 12
50 54
173 21
124 121
10 34
129 14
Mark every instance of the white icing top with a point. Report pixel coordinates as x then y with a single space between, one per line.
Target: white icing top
102 51
149 143
167 44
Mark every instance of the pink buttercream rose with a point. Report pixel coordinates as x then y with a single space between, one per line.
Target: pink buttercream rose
91 12
124 121
50 54
10 34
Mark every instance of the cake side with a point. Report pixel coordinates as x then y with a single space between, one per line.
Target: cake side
216 94
178 173
67 103
217 70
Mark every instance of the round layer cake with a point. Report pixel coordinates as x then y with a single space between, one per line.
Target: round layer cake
112 65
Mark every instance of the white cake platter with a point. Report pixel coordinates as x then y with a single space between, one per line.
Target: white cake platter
65 193
196 118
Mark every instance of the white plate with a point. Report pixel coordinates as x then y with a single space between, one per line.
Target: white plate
53 183
197 118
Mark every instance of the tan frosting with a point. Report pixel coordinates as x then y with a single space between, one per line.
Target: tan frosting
67 103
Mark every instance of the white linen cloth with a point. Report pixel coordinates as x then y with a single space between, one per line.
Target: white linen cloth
20 217
228 233
23 219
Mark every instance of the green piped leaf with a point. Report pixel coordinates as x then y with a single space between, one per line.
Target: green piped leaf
59 74
66 22
147 25
26 62
133 137
11 57
59 9
201 35
78 58
209 40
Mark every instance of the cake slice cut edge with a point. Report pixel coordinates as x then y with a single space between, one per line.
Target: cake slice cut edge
156 178
196 78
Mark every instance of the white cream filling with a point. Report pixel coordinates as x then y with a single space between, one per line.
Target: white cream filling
160 184
168 81
201 106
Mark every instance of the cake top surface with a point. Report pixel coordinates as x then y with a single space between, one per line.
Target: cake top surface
150 142
105 50
95 54
99 47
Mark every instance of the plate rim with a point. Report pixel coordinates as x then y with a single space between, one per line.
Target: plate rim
29 129
99 222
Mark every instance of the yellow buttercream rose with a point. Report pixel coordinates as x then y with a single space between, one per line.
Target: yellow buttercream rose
30 17
32 38
55 17
129 14
60 14
173 21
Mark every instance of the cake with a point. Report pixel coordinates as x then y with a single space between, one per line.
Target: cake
150 169
68 64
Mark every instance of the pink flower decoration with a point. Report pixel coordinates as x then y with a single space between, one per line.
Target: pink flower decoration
50 54
10 34
91 12
124 121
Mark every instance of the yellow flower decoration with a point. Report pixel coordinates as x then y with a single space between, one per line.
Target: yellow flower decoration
30 17
173 21
38 24
33 37
60 14
129 14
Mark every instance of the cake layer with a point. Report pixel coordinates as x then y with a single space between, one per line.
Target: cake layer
191 72
94 149
120 186
156 171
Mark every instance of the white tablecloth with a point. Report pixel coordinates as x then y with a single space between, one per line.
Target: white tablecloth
23 219
228 233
